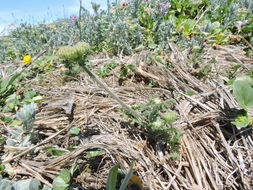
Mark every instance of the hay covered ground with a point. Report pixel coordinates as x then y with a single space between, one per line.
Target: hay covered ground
214 154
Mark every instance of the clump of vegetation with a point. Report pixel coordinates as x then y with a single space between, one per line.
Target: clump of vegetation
126 27
105 70
158 121
73 55
24 135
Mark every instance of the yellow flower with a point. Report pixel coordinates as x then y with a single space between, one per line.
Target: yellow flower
27 59
63 68
235 38
148 30
81 23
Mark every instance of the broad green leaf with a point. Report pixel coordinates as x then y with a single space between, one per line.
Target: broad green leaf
112 178
27 184
243 91
59 184
74 131
27 116
65 175
5 184
242 119
8 107
62 182
245 78
30 94
10 142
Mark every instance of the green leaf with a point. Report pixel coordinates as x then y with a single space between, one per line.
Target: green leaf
112 178
15 123
5 84
74 131
57 152
45 187
62 181
59 184
73 169
2 141
1 168
175 156
30 94
5 184
54 150
37 99
189 92
105 70
127 178
27 116
94 153
65 175
50 147
71 148
243 91
242 119
170 117
6 119
27 184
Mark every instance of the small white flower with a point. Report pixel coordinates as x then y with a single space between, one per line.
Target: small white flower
157 100
239 24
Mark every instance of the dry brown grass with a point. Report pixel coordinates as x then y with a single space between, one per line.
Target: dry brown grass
214 155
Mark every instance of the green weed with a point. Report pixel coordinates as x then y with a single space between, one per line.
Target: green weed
158 122
105 70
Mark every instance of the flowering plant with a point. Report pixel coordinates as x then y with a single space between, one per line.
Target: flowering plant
27 59
164 6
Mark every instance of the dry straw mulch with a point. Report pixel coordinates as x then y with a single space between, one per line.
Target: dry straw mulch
214 154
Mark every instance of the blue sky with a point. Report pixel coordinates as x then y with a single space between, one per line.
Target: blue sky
13 11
